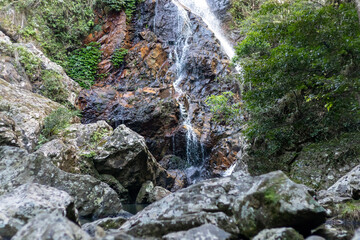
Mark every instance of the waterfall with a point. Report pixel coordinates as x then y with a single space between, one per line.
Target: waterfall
201 8
194 149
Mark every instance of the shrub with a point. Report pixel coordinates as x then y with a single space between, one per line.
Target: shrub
222 107
56 121
52 87
118 57
83 64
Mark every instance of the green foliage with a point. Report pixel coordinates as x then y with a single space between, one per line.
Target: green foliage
240 9
117 5
30 62
83 64
222 107
58 26
53 87
97 136
301 71
57 121
118 57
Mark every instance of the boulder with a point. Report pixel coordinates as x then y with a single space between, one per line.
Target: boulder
93 198
75 145
239 205
149 194
126 157
206 231
52 226
29 200
278 234
106 223
346 188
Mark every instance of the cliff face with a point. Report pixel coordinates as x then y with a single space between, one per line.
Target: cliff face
141 93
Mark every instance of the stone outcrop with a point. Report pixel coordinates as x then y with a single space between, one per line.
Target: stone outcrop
93 198
51 226
238 205
29 200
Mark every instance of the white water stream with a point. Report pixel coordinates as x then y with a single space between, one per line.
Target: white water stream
201 9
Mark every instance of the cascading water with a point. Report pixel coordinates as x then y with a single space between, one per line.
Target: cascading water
201 9
194 149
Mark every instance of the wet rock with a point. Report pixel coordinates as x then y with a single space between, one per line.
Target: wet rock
93 198
126 157
29 200
236 204
206 231
278 234
346 188
51 226
25 111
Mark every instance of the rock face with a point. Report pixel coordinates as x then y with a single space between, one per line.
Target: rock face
126 157
51 226
29 200
92 197
278 234
206 231
346 188
238 205
23 113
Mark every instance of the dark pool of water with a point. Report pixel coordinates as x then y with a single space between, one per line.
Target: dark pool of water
134 208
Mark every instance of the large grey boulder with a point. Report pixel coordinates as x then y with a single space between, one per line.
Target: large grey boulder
278 234
29 200
346 188
92 197
204 232
236 204
126 157
52 226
